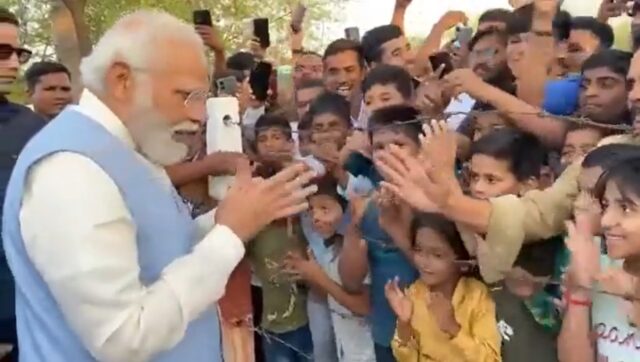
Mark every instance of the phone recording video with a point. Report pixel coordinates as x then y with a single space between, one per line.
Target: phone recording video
259 80
352 33
202 17
441 59
226 86
261 32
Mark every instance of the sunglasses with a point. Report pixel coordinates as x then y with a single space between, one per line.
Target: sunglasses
7 50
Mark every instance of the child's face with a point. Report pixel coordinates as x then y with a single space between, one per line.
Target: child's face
485 123
435 259
578 143
273 142
329 128
621 222
490 177
385 137
382 95
326 214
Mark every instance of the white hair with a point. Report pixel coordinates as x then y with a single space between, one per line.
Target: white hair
135 39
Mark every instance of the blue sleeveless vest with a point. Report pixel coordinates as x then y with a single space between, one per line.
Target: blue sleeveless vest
165 232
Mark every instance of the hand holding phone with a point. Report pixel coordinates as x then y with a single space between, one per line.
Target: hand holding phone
441 61
227 86
261 32
352 33
259 80
202 17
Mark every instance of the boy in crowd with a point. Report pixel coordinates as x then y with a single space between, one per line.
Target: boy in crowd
344 69
509 162
48 88
387 44
284 312
578 142
386 252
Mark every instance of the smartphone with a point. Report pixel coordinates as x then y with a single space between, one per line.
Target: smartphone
261 31
227 86
352 33
259 80
202 17
441 59
298 18
463 35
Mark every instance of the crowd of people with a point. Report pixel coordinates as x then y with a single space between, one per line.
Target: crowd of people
475 198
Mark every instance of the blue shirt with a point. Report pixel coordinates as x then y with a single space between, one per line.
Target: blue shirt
561 96
386 262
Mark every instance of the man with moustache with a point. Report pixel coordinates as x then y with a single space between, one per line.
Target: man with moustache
108 263
17 125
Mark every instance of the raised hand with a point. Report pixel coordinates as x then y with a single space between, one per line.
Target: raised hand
253 203
611 9
439 145
452 18
465 81
398 301
585 258
406 176
403 4
442 310
211 37
587 212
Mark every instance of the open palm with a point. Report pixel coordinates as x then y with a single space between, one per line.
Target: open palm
399 302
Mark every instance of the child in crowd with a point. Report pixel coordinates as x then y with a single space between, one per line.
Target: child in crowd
579 141
387 251
348 311
447 314
489 120
508 162
284 314
590 311
385 85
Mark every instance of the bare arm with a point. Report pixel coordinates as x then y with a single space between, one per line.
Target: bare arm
215 164
574 342
433 41
399 12
537 58
353 265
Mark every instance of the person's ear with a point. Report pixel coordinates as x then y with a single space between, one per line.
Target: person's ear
119 80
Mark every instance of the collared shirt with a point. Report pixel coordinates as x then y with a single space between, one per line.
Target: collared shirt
478 338
81 237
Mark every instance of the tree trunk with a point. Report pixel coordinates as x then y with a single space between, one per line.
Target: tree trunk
65 42
83 33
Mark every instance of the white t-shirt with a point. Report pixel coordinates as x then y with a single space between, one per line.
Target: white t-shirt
618 341
353 333
463 103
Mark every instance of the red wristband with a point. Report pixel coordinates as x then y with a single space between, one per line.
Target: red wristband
578 302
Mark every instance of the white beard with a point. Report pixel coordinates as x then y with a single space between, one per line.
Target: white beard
152 133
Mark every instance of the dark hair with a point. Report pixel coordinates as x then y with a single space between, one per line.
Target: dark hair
344 45
443 226
501 35
7 17
242 61
328 186
39 69
495 15
574 127
398 119
309 83
609 155
305 53
269 121
385 74
626 175
374 39
524 152
600 30
617 61
521 20
332 103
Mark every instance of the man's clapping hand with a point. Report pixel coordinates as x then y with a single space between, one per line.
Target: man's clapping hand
253 203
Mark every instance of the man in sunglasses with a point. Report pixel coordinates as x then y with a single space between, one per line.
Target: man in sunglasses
17 125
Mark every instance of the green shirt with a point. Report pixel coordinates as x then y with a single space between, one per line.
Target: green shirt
283 301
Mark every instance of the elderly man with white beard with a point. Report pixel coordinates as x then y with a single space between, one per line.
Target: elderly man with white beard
108 264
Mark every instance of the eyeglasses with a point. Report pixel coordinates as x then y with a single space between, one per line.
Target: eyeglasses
7 50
